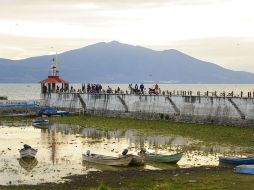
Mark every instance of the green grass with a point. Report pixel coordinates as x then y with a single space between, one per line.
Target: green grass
212 179
16 119
207 133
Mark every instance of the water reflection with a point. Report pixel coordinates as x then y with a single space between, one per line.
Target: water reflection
60 150
28 163
133 137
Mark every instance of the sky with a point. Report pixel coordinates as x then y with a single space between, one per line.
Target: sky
218 31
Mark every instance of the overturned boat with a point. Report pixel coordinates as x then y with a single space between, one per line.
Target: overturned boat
27 152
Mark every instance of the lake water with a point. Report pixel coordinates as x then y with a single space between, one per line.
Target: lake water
60 150
32 91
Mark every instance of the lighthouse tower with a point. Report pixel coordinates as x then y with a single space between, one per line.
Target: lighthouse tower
54 84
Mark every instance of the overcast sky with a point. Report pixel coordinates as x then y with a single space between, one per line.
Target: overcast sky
219 31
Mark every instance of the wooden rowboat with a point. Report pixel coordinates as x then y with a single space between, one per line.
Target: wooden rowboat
27 152
236 160
244 169
108 160
174 158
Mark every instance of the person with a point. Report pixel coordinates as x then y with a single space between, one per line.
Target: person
131 89
136 88
57 88
109 90
83 87
88 88
156 88
142 88
44 89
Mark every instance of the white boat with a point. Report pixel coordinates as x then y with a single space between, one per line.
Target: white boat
40 122
107 160
27 152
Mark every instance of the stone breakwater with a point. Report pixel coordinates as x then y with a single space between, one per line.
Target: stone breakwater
193 109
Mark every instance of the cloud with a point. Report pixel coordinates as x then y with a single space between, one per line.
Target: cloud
29 27
232 53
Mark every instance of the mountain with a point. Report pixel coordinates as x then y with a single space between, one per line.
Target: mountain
115 62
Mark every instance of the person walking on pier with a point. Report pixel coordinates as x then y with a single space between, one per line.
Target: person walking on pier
130 88
142 88
156 88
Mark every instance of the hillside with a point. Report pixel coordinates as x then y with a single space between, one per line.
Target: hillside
115 62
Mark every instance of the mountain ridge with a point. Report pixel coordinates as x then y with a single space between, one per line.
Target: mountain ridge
114 62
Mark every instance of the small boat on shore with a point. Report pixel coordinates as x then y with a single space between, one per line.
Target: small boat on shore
173 158
123 160
62 113
48 111
236 160
40 122
27 152
244 169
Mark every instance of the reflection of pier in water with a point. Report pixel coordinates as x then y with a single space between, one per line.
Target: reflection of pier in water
59 133
56 135
134 138
153 142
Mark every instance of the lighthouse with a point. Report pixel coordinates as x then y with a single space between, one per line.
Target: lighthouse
54 83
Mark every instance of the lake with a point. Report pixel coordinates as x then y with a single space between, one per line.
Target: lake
60 149
32 91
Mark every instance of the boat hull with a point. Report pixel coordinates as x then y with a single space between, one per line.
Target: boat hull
164 158
244 169
108 160
28 153
236 160
138 161
28 163
40 122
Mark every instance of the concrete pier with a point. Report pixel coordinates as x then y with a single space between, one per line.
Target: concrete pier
233 111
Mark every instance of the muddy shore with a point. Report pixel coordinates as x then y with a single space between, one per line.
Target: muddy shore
190 178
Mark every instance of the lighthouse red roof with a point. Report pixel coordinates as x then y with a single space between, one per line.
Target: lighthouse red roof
53 79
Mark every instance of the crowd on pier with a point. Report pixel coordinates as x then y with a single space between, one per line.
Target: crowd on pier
140 89
132 89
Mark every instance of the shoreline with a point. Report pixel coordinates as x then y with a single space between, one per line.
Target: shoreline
190 178
205 177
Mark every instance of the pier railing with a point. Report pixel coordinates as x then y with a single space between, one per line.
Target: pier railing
170 93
